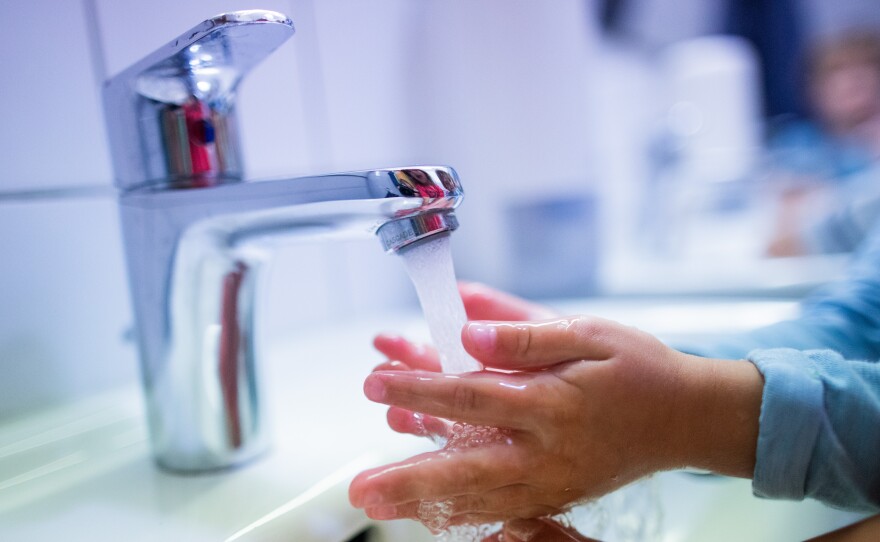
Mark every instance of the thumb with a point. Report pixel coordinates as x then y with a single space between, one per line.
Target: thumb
536 345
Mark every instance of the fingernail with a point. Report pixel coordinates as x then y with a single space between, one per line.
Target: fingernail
483 336
388 511
371 499
389 336
374 388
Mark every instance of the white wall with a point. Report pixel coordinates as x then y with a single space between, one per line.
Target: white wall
494 88
52 130
63 303
500 90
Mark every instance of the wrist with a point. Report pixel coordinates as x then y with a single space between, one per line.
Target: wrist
717 416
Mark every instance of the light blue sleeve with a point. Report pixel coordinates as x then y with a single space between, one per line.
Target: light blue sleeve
819 431
820 414
844 317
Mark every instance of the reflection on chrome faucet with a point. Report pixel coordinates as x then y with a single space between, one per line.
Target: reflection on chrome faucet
196 234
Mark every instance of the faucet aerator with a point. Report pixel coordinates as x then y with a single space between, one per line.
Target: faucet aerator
405 233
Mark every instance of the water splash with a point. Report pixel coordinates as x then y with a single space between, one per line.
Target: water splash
633 513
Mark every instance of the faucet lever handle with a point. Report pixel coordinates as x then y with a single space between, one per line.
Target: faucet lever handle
171 116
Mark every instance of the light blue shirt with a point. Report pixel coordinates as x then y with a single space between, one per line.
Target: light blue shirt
858 206
819 431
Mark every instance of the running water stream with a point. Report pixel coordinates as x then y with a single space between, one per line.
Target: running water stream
429 265
430 268
631 514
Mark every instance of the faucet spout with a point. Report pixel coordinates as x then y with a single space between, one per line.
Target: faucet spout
194 259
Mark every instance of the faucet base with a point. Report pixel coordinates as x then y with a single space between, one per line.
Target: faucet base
202 466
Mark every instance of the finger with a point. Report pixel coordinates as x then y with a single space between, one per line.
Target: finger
534 345
483 398
416 423
399 349
437 475
484 303
540 530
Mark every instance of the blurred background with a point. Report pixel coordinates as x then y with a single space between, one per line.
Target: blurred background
607 148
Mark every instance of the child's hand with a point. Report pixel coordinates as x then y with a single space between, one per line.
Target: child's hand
585 410
589 405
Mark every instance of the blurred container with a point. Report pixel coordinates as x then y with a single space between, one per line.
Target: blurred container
702 199
553 246
713 105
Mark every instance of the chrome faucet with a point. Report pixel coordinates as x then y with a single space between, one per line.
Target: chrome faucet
196 234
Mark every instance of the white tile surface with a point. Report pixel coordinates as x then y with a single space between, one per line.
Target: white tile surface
498 90
334 283
65 308
52 134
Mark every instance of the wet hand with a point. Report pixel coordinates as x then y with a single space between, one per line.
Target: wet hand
588 405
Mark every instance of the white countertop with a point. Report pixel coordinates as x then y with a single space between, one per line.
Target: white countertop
82 471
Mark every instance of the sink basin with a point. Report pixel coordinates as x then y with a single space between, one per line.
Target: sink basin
82 471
